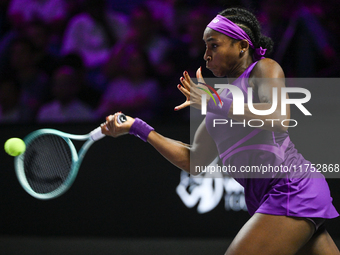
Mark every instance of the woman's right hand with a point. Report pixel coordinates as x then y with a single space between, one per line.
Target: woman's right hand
112 128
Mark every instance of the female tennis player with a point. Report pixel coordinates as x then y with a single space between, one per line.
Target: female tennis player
288 210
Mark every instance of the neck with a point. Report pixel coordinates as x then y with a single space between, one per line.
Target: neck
240 68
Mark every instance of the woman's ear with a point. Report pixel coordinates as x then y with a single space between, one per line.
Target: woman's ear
243 45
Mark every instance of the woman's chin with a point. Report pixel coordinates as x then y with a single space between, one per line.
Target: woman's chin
217 74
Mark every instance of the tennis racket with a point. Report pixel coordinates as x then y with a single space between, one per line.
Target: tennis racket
50 164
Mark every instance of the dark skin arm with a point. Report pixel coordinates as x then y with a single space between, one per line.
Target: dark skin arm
202 152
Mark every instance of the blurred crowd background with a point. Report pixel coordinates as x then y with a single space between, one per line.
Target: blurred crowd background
81 60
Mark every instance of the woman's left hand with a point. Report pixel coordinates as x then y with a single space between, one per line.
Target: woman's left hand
193 92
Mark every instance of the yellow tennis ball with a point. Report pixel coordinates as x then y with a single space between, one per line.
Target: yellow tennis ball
15 146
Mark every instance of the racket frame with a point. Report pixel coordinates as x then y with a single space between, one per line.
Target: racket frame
77 158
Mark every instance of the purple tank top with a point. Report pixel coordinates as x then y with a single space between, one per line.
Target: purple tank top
240 146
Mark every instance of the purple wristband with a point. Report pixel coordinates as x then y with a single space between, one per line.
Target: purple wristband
140 129
218 109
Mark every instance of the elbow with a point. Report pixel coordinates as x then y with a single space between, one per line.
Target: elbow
192 170
195 170
193 173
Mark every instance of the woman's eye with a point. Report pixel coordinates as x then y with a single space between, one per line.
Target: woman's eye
214 45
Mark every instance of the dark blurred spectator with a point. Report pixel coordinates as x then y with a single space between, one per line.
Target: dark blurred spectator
328 14
135 91
33 82
301 44
53 13
74 7
38 33
123 6
142 34
45 18
87 93
4 22
91 34
187 55
190 57
331 19
65 106
9 101
164 13
11 109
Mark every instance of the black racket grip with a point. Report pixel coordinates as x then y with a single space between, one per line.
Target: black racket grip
121 118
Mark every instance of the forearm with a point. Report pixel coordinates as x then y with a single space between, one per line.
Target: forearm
182 155
201 152
176 152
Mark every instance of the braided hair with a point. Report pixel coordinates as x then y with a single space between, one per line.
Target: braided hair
248 22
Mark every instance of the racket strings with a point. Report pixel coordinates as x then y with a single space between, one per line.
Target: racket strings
48 162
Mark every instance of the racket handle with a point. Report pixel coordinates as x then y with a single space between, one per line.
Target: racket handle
97 134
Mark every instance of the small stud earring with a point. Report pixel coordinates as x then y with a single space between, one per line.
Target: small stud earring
242 51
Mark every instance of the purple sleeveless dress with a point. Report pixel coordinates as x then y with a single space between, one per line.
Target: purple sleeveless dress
293 193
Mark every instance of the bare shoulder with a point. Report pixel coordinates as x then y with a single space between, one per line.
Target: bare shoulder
266 74
267 68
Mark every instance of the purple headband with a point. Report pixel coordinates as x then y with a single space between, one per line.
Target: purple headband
225 26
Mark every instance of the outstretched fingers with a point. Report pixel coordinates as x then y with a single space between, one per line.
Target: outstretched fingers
185 82
188 79
182 106
186 93
190 90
